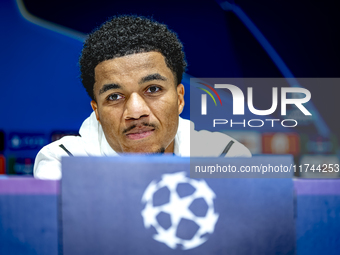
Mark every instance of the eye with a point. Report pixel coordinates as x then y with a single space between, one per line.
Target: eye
114 97
153 89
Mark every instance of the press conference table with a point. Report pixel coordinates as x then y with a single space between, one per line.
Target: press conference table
29 216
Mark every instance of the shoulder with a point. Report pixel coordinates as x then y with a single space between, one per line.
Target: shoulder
210 144
47 163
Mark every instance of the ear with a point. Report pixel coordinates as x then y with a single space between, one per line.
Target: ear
180 93
95 109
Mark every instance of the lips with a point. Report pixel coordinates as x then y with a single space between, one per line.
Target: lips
140 133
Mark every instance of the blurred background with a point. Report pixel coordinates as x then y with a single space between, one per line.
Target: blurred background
42 97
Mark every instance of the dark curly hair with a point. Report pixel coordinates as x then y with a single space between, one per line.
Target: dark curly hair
128 34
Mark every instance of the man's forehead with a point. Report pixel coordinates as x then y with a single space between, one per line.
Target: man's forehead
139 65
131 62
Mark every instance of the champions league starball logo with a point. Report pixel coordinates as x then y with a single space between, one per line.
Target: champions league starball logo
179 208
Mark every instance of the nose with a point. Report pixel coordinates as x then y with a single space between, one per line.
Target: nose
136 107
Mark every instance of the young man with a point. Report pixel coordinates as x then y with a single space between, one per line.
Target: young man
132 69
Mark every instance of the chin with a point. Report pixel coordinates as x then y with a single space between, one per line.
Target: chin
144 150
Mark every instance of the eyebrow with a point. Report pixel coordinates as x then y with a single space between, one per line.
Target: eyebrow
152 77
107 87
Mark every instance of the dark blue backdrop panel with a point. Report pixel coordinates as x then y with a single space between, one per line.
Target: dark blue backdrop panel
41 90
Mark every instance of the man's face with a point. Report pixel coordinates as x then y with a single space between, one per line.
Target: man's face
138 103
